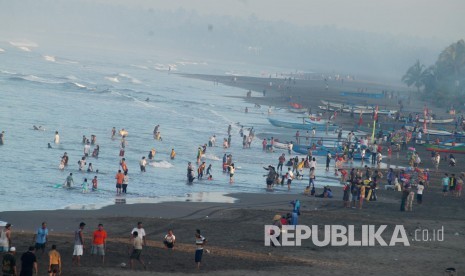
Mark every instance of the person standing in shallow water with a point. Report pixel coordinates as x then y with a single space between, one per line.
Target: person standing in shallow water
2 135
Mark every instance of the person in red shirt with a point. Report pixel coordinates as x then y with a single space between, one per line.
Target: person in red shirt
99 239
119 182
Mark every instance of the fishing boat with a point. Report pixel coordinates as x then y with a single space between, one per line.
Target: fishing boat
319 151
346 110
437 121
297 110
432 131
280 145
365 109
446 147
304 125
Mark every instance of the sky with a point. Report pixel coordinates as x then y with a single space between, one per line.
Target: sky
443 19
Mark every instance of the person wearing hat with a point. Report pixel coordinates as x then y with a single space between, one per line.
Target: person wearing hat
5 238
9 262
78 244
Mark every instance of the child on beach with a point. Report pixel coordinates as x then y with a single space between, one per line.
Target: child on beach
85 186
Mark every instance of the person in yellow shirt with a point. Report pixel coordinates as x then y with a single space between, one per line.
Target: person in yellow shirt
300 168
173 154
54 267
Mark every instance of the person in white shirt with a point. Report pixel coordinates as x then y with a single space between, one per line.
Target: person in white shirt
290 176
420 189
57 138
142 164
87 149
169 240
141 232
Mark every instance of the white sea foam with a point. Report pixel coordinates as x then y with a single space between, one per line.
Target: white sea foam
132 79
112 79
140 66
211 157
162 164
49 58
79 85
1 50
24 48
39 79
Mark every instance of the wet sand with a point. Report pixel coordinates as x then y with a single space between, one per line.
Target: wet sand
235 231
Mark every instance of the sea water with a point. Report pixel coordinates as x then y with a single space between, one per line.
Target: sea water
88 96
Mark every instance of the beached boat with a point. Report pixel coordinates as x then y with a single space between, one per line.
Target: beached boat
305 126
437 121
432 131
346 110
280 145
447 147
365 109
297 110
319 151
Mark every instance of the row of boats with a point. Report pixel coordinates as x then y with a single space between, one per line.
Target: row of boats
316 123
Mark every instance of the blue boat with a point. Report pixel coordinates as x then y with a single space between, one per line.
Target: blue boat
319 151
305 126
322 151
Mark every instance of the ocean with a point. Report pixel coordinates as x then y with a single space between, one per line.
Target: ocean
88 96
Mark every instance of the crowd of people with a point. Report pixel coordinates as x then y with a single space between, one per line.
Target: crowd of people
97 242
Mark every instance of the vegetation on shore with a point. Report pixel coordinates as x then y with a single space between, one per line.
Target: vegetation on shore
442 83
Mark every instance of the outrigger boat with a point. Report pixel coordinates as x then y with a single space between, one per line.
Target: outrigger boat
447 147
304 125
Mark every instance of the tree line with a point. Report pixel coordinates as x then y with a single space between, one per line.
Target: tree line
442 83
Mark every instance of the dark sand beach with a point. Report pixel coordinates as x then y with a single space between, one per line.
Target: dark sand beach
235 231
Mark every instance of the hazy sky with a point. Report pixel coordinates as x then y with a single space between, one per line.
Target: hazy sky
425 18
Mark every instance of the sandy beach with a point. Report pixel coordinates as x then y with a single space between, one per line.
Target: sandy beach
235 231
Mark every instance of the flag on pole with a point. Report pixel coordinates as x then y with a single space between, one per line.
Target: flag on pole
360 119
425 115
375 119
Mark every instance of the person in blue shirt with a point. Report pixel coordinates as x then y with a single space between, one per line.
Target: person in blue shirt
40 237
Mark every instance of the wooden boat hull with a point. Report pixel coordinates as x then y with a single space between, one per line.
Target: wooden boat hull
460 149
306 126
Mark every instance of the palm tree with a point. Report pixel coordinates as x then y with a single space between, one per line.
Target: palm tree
415 75
451 61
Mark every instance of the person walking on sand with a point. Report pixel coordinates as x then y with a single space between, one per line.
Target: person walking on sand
445 184
137 244
9 263
141 232
40 237
420 189
200 242
78 244
99 242
29 263
54 266
5 238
